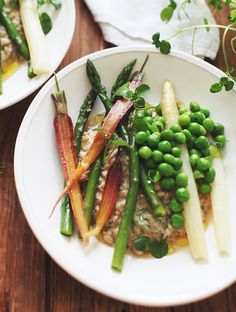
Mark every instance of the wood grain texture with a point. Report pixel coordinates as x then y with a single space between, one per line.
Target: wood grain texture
30 281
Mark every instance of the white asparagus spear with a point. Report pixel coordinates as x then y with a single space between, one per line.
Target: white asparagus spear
192 209
35 37
220 209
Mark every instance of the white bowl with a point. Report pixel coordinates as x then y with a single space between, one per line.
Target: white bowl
172 280
19 86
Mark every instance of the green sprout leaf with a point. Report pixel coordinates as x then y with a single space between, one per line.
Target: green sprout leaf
165 47
139 102
124 91
166 14
216 87
205 21
159 248
229 85
142 90
120 142
46 22
223 81
156 40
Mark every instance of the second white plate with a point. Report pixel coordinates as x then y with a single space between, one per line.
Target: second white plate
19 86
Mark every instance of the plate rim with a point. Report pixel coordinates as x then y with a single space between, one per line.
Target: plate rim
70 30
22 198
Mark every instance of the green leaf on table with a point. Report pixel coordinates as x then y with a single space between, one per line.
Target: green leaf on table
166 14
46 22
233 15
165 47
142 90
124 91
156 40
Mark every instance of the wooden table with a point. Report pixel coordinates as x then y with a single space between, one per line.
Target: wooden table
29 279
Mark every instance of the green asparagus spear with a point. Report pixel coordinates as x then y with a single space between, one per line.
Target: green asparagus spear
66 227
151 194
122 78
15 36
95 171
99 88
83 116
127 217
92 184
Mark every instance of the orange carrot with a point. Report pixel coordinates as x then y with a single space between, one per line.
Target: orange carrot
109 125
65 143
109 197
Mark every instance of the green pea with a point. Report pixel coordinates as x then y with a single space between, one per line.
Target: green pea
193 159
158 109
162 120
218 129
150 163
167 135
203 164
141 137
205 111
198 174
187 133
157 156
184 120
181 179
182 194
148 119
164 146
182 110
208 124
220 139
159 248
175 206
178 163
201 142
205 152
166 170
179 138
194 128
177 220
142 243
175 128
176 151
169 159
148 112
194 106
205 188
194 151
210 175
153 140
140 114
145 152
202 130
198 117
167 184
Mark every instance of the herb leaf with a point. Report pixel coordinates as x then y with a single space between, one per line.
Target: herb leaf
166 14
159 248
46 22
124 91
216 87
142 90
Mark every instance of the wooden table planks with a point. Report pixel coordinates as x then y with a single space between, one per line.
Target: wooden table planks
30 281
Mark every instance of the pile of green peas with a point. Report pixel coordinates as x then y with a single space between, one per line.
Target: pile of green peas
197 127
159 152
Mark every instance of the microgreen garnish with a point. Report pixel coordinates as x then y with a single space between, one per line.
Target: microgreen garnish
226 83
55 3
163 45
136 96
46 22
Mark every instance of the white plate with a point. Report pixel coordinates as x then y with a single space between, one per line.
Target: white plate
172 280
19 86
